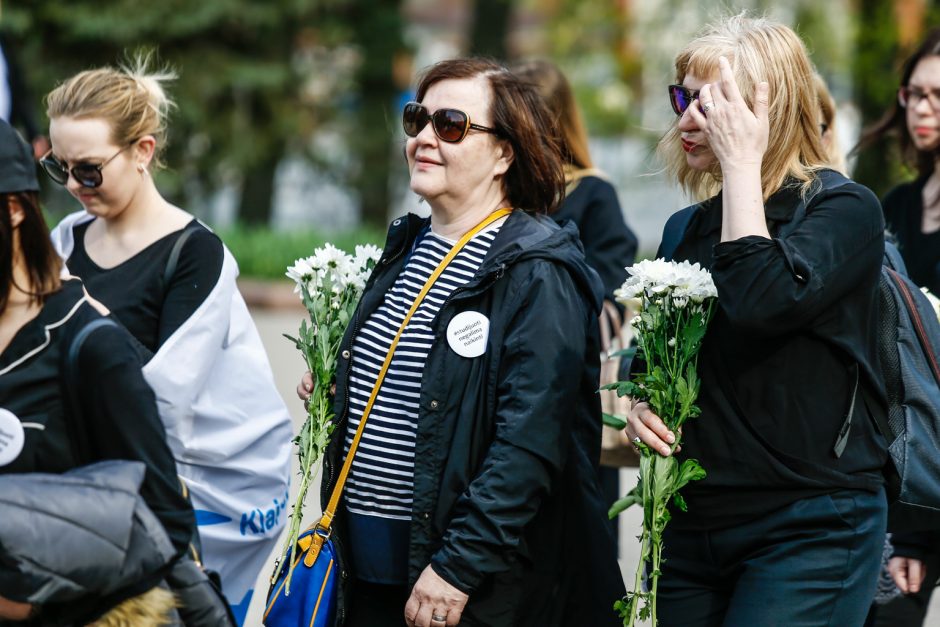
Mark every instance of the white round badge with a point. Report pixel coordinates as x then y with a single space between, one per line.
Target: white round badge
468 332
11 437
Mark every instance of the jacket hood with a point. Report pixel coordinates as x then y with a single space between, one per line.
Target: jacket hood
524 236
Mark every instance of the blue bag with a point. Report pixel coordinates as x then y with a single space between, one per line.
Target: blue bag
312 598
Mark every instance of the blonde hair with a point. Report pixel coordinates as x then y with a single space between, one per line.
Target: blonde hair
827 113
758 50
131 98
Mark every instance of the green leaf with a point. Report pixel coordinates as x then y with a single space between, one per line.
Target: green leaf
631 499
690 470
614 421
679 502
624 352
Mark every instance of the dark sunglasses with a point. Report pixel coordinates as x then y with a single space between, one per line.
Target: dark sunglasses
681 97
86 174
450 125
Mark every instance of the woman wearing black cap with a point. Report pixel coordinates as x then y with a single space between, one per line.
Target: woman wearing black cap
51 420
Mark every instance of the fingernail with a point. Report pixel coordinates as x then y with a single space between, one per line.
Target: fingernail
671 438
665 450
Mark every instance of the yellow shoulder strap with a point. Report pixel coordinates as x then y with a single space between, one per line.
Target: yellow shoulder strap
327 519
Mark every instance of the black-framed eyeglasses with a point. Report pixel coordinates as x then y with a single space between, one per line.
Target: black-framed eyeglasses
85 174
681 97
912 96
450 125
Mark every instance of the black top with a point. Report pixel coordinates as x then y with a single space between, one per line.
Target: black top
777 361
119 417
135 290
609 244
904 211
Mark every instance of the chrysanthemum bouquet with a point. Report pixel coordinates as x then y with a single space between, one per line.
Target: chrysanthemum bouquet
675 302
330 283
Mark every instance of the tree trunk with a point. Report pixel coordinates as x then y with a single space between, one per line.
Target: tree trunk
378 32
490 27
257 197
875 79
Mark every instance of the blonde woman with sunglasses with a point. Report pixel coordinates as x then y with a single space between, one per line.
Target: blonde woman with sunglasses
171 282
477 463
787 527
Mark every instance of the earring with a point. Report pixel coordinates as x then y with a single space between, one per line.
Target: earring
140 168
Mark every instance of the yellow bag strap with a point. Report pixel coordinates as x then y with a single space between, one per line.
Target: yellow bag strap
327 519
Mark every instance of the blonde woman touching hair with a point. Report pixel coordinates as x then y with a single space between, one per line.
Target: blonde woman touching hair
787 527
171 282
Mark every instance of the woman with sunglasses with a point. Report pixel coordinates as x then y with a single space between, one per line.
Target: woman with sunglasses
171 282
478 461
912 214
788 525
54 418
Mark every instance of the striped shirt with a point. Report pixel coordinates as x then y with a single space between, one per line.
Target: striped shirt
381 482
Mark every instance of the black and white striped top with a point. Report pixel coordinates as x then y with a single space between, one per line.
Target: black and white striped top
381 482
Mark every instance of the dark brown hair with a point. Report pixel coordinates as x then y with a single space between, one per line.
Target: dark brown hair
535 180
894 122
555 89
43 265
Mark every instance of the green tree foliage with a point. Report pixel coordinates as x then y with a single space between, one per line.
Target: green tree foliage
256 79
875 74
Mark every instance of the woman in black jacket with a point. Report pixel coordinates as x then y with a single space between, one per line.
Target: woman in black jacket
473 497
787 526
912 216
43 431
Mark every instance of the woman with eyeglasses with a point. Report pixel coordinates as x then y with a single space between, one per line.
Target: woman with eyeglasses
473 495
65 404
171 282
788 525
912 214
912 210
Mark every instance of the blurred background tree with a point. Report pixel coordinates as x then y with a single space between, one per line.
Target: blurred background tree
314 87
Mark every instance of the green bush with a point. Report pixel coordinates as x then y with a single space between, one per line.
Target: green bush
264 253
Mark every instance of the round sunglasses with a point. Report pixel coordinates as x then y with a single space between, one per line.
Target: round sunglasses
450 125
85 174
681 97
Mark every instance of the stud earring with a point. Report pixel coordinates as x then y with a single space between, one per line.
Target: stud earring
140 168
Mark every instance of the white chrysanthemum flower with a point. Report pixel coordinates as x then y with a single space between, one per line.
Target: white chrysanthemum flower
366 253
655 277
302 273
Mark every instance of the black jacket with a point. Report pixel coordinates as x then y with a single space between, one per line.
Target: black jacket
609 244
795 316
506 504
118 420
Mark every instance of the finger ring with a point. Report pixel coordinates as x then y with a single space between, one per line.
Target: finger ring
437 618
637 441
708 106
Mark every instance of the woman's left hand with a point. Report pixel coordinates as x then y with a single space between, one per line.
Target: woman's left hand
433 598
736 135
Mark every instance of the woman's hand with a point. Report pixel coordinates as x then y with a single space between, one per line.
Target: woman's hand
908 573
644 424
432 599
736 135
14 610
305 387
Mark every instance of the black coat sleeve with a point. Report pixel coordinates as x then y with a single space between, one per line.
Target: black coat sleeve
537 388
609 244
120 412
774 286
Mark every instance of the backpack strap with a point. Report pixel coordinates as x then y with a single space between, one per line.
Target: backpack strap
893 259
674 231
828 180
72 384
174 258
